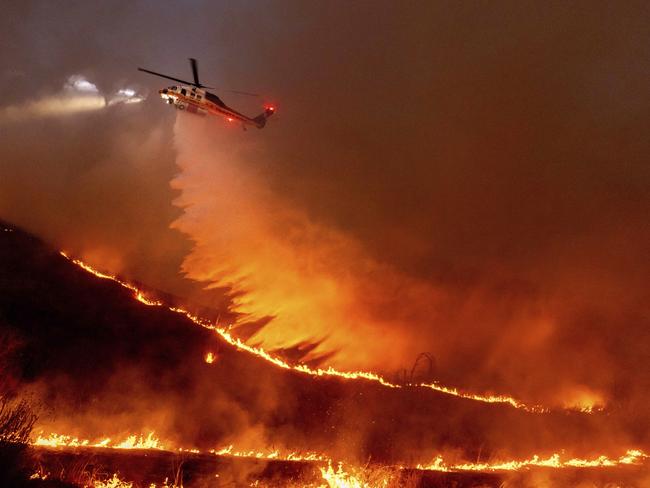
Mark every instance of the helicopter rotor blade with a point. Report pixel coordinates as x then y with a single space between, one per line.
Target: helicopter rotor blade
168 77
248 94
195 72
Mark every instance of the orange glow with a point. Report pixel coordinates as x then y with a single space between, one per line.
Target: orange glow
209 358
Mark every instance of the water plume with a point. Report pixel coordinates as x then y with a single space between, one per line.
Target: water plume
314 281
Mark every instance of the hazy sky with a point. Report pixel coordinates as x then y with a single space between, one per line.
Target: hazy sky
492 157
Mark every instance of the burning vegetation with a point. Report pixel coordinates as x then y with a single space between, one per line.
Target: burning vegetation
257 418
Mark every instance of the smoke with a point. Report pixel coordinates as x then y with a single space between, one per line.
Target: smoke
77 96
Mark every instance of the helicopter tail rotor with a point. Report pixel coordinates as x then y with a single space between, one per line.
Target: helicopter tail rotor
260 120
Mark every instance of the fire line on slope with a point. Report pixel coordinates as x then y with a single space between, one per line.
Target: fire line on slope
226 335
150 441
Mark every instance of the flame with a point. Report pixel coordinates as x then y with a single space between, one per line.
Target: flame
358 478
302 368
630 457
56 440
209 358
583 399
135 442
114 482
273 454
130 442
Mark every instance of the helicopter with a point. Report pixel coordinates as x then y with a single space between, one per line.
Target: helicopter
192 97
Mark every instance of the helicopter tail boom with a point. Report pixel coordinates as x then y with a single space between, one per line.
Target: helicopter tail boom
260 120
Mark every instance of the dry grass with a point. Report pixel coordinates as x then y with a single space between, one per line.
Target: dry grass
16 421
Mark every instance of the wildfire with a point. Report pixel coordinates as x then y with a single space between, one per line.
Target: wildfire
357 478
631 457
135 442
301 368
150 441
114 482
130 442
271 455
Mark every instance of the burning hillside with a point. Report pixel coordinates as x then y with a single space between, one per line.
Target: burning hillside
429 268
109 361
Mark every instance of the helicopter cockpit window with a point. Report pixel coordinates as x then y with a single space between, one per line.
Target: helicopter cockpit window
183 91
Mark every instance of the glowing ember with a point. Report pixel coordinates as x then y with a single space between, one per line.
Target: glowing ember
209 358
261 353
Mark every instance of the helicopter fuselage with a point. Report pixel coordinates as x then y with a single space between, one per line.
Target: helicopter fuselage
201 102
195 99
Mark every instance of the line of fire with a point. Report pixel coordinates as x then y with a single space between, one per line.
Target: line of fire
152 453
